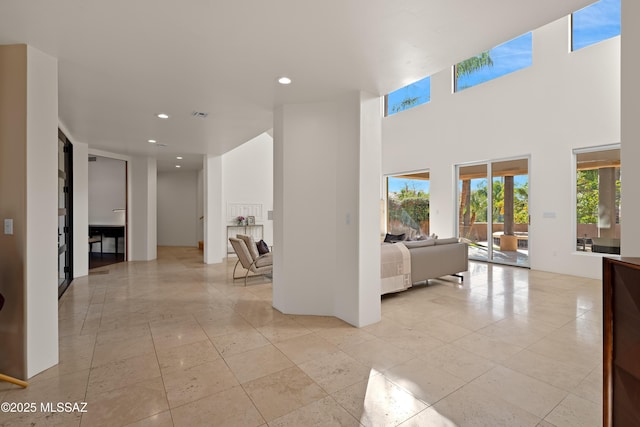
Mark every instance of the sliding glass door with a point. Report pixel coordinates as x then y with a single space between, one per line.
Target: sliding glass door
493 214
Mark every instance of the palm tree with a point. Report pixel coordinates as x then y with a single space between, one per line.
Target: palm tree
473 64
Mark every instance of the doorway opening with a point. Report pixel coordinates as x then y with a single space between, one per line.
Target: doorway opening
493 210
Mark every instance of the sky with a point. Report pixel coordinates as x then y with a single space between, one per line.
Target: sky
396 184
592 24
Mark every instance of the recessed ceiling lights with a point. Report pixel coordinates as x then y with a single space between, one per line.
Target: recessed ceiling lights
178 166
162 116
152 141
284 80
179 157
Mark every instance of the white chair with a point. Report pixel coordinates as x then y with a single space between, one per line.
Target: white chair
259 265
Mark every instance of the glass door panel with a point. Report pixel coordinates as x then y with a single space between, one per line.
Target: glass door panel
473 202
510 212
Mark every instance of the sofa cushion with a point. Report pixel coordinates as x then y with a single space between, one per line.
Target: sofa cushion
447 241
420 243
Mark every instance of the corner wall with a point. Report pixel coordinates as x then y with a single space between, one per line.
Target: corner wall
28 185
326 209
563 101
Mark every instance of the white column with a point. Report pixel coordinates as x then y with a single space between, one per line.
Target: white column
143 209
630 129
42 213
326 209
214 241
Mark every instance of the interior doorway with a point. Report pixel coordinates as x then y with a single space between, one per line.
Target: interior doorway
493 210
107 211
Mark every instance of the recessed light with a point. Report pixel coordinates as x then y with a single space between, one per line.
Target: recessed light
178 166
179 157
162 116
284 80
152 141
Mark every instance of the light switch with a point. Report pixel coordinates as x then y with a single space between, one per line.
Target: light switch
8 226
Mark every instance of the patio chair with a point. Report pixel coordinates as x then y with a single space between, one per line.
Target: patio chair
259 265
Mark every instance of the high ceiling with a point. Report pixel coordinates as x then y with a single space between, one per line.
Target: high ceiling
123 61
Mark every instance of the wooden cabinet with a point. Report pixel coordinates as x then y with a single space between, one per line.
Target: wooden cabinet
621 388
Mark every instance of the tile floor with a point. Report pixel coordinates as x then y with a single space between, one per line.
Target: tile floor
176 343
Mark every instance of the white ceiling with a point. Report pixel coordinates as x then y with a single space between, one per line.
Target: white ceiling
122 61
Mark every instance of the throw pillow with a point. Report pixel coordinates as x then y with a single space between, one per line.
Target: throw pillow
392 238
263 248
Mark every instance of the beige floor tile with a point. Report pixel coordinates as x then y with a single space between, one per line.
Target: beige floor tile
257 363
239 342
283 392
378 354
575 411
306 347
532 395
163 419
441 329
63 388
568 351
226 325
416 342
231 408
110 351
108 319
119 373
345 336
564 375
422 381
177 335
316 323
377 401
472 406
457 362
186 356
322 413
186 385
591 387
283 330
335 371
126 405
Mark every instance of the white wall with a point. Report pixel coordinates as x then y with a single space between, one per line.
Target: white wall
630 226
42 213
200 205
563 101
107 191
247 177
214 242
80 207
177 208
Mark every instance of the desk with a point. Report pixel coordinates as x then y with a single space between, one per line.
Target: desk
109 231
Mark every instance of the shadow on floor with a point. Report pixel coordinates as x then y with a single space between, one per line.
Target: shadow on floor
97 260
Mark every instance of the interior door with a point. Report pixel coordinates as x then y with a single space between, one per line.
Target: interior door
65 237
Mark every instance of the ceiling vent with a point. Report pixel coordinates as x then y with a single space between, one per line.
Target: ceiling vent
199 115
93 159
